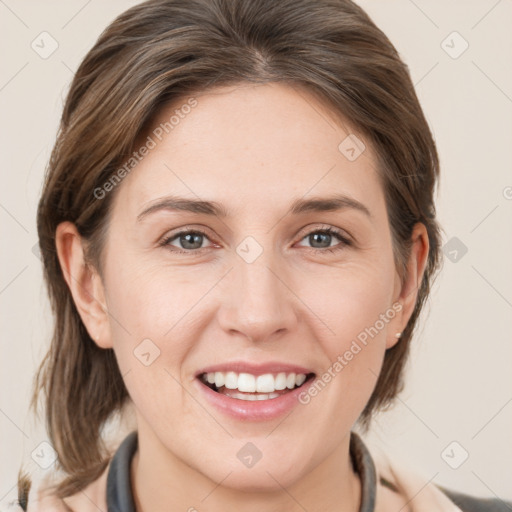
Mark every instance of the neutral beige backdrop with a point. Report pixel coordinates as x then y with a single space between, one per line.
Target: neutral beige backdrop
459 385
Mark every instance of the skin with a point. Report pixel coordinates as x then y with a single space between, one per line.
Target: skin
254 149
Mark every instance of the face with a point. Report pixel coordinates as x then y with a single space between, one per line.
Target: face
266 288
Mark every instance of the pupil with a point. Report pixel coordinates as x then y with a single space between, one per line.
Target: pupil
188 240
316 236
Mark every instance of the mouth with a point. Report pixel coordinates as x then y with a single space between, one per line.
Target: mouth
250 387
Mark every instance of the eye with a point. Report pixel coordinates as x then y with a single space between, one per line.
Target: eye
324 237
189 240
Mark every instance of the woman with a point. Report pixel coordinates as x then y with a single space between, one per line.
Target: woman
238 235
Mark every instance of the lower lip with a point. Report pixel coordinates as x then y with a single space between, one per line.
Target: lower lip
254 410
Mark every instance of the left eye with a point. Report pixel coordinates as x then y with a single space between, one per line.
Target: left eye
191 241
326 236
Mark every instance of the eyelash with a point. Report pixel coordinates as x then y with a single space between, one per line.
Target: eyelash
328 230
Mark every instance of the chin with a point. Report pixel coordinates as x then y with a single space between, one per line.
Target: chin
260 481
264 476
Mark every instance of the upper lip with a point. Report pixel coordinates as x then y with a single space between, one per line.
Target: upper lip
255 368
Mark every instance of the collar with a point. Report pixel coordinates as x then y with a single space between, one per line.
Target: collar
120 495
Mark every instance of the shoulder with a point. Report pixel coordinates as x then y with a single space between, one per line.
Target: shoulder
469 503
417 492
392 498
39 497
38 493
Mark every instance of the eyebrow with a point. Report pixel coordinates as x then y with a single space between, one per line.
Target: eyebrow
332 203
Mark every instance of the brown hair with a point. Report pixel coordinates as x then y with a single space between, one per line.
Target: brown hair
163 50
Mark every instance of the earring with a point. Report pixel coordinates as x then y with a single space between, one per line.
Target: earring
398 334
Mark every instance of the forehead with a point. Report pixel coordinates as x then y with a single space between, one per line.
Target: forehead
250 146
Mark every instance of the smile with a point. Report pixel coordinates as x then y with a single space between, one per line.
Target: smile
246 386
251 390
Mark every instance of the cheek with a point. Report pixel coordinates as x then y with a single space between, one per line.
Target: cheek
351 301
150 320
355 307
149 300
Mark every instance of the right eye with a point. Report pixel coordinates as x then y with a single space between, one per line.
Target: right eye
189 240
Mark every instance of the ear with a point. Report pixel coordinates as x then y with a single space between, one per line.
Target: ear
84 283
406 291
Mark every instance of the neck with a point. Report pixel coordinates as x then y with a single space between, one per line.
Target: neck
161 481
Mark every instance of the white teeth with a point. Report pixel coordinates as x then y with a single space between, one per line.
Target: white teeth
231 381
251 398
300 379
248 383
220 379
265 383
280 382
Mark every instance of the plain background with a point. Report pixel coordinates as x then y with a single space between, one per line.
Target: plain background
459 381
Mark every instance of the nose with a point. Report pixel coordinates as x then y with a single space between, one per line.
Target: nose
258 303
